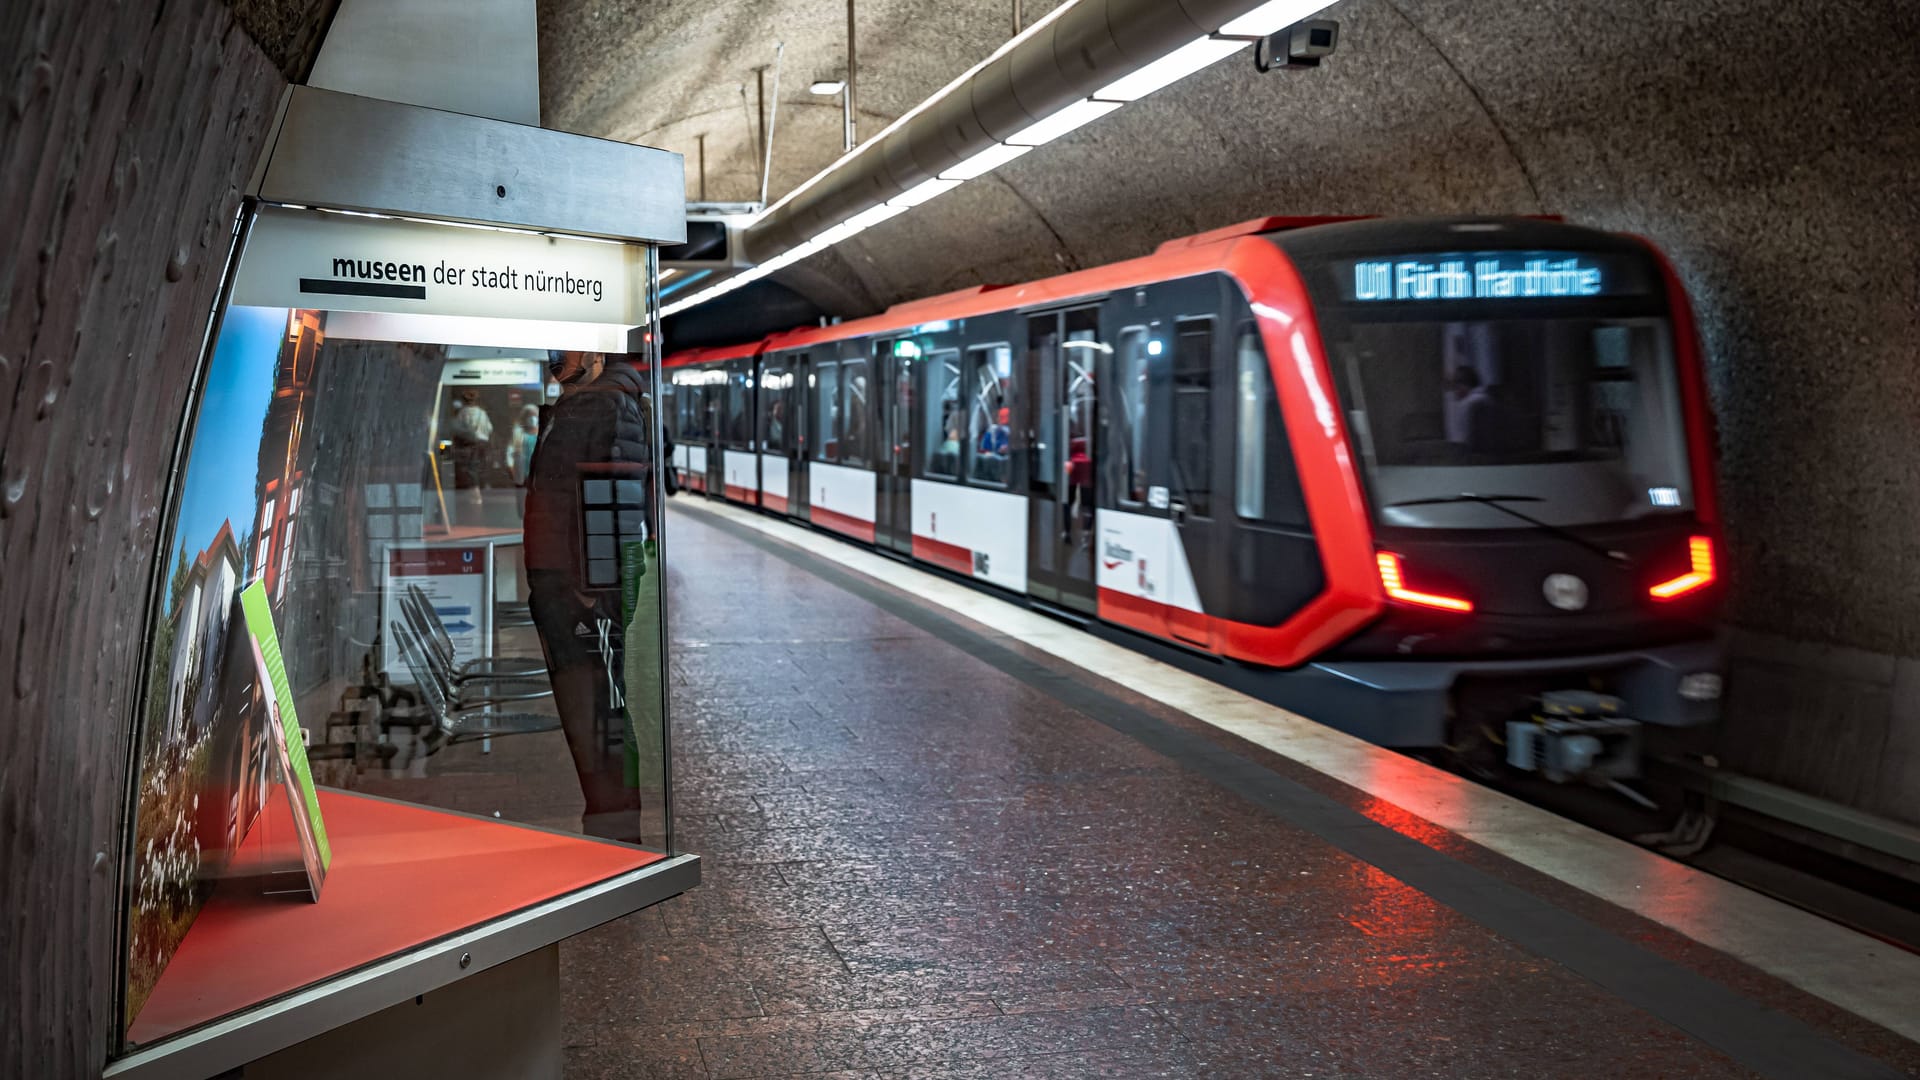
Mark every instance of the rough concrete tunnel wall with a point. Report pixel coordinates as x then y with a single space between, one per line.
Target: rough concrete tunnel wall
1768 146
128 131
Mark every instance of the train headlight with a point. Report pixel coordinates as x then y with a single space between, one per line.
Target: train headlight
1701 686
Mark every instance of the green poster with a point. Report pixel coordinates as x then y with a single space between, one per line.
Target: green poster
640 615
286 724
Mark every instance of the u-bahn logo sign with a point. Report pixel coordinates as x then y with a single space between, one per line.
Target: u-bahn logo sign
1565 591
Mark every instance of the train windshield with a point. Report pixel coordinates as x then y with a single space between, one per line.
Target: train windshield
1573 420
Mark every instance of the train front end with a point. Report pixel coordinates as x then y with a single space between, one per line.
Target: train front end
1526 412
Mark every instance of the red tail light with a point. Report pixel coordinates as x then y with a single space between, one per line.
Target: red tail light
1396 586
1700 551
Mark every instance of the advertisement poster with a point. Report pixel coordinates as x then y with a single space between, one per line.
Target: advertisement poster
454 579
203 763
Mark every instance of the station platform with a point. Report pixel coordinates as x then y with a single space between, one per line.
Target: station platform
948 837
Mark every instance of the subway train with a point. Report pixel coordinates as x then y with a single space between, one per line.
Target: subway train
1441 484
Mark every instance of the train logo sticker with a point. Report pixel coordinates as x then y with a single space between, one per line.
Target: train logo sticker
1565 591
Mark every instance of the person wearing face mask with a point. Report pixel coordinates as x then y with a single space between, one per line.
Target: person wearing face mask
592 461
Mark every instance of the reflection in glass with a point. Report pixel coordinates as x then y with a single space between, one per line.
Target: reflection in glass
459 544
1580 416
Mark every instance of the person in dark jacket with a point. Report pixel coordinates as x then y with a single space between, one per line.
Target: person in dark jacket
588 498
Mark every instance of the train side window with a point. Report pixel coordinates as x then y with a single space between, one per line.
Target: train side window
693 407
773 409
1266 486
945 421
1130 440
737 432
827 415
1192 425
802 401
989 441
853 413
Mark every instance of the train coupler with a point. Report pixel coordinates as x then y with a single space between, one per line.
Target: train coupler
1576 735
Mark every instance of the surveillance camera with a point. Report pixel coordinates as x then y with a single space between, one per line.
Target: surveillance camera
1298 46
1312 39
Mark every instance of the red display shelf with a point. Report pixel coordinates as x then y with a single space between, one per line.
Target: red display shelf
402 876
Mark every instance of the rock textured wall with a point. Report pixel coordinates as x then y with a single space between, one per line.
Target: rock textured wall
1769 146
126 132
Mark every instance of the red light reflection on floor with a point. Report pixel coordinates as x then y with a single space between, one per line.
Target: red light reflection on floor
1410 825
1408 926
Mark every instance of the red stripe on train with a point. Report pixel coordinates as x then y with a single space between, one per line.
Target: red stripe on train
942 554
842 523
741 494
773 502
1133 612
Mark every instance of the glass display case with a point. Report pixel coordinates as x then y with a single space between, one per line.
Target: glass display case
404 687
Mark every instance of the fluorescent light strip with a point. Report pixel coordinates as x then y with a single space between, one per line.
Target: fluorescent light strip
960 80
874 215
1170 68
1236 34
1271 17
1072 118
985 161
923 192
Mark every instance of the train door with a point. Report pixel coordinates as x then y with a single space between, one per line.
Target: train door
800 416
892 452
716 426
1062 413
1191 504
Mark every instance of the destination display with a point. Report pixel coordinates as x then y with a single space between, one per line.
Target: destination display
1496 275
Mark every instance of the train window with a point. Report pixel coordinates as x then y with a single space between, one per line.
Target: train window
990 369
689 404
827 411
1580 417
1266 487
738 431
1192 426
773 409
1078 358
944 418
1041 402
1130 441
853 413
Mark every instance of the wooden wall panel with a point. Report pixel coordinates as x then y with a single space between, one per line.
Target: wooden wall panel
126 132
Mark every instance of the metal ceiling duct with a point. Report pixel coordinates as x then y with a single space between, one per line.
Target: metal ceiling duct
1063 61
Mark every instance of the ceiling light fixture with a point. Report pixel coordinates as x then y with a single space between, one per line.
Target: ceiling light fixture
1236 34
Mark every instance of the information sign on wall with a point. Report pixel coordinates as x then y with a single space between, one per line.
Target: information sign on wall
355 262
454 580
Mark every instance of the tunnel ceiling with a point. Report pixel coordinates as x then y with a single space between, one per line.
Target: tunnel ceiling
1615 112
